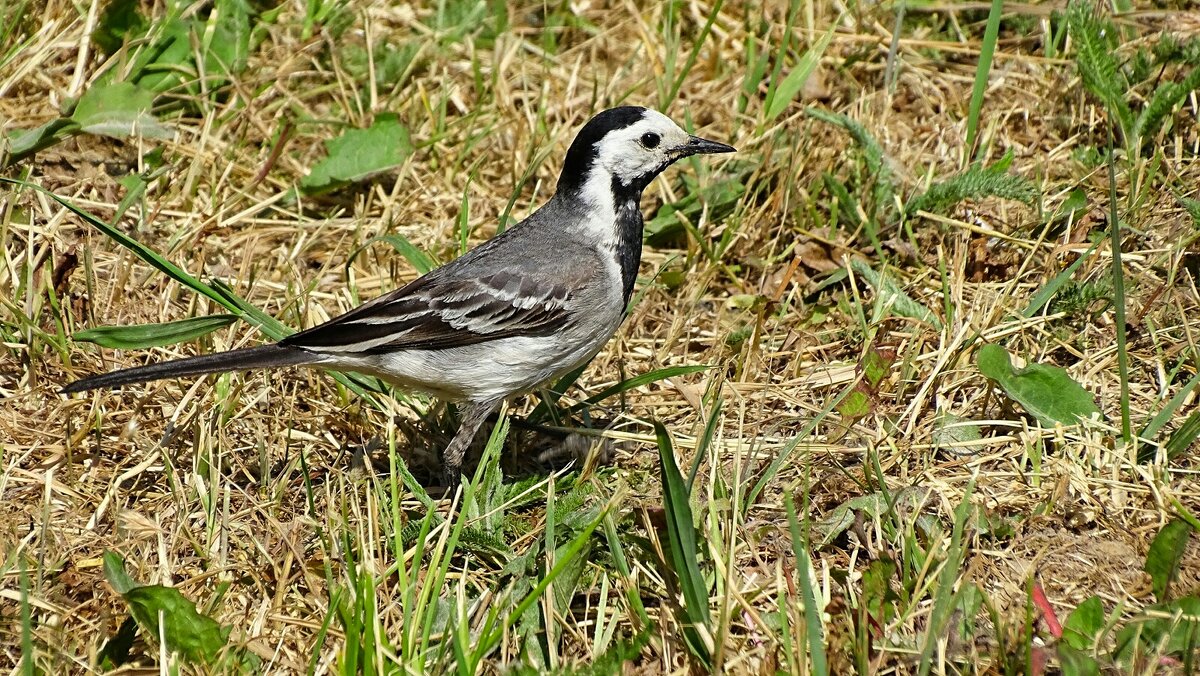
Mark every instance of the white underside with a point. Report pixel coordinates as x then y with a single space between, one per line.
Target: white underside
488 371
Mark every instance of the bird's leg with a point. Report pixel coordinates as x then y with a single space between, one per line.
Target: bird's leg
472 417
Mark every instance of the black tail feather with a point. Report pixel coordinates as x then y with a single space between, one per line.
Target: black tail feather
265 356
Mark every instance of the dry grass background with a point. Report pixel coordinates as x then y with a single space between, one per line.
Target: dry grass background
244 491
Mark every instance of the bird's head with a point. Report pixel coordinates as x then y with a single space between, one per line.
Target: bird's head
622 149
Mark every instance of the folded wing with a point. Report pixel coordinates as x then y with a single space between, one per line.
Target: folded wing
437 313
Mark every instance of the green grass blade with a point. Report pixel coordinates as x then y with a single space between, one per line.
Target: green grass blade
791 85
632 596
710 429
986 51
773 81
695 51
785 454
944 598
28 667
638 381
1047 292
567 558
153 335
812 614
1183 438
217 292
1150 431
421 261
142 251
681 533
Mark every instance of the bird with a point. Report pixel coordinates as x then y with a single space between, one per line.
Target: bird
524 308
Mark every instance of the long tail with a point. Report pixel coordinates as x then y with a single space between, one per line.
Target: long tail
235 360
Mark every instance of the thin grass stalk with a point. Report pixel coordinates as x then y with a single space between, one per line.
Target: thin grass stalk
1118 282
319 639
549 536
889 68
702 445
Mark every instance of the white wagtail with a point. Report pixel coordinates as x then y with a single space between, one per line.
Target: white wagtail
526 307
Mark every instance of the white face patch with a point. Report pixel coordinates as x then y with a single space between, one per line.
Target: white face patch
641 148
624 155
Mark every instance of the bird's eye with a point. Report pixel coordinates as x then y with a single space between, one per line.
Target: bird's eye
650 140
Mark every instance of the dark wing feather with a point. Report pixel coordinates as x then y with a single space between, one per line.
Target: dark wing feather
434 313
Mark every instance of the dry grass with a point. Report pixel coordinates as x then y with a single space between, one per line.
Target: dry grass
247 492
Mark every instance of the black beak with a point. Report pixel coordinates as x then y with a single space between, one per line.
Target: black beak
703 146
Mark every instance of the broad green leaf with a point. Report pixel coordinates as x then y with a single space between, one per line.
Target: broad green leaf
1047 392
117 647
196 637
229 47
359 154
1083 626
875 366
967 603
163 613
791 85
1074 662
22 144
856 405
118 109
1075 202
877 594
164 60
114 572
153 335
1166 551
681 533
